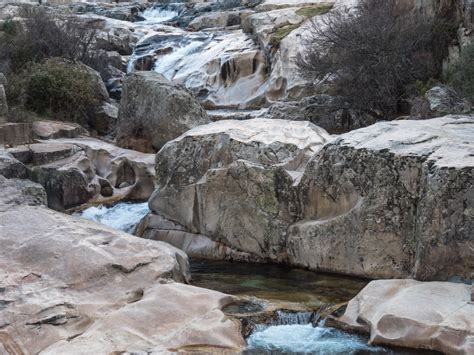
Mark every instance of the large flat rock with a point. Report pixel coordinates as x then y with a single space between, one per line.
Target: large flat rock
424 315
69 285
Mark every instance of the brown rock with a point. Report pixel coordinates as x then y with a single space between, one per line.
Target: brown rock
15 134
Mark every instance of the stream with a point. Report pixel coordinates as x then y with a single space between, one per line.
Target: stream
292 333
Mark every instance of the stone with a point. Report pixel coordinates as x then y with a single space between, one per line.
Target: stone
329 112
21 192
70 285
12 134
154 111
81 175
231 181
105 118
11 167
56 129
222 69
408 313
212 19
392 200
43 153
444 100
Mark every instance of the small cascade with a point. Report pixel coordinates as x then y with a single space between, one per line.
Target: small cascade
162 13
123 216
307 339
290 318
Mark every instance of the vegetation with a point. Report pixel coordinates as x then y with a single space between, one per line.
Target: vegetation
281 33
311 11
374 55
461 74
55 89
41 36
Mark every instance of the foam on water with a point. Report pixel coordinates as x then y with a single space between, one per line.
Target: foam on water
123 216
158 15
307 339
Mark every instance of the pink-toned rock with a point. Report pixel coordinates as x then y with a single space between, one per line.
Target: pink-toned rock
408 313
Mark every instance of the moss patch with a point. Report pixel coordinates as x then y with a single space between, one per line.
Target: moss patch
281 33
311 11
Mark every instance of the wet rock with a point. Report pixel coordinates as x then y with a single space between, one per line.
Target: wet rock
222 69
407 313
154 111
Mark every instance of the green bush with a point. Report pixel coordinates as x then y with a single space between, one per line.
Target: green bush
461 73
55 89
9 27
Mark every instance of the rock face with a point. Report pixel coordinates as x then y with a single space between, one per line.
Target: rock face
73 286
407 313
444 100
15 133
75 171
329 112
233 181
153 111
391 200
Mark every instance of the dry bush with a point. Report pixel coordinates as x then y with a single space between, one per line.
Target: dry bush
374 53
41 35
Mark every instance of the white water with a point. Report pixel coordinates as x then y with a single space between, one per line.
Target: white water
156 15
123 216
306 339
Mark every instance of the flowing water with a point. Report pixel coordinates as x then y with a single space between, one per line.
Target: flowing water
290 333
123 216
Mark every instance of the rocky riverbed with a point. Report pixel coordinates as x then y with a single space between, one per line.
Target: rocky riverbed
214 201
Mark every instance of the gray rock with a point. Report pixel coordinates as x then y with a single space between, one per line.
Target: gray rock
11 167
392 200
154 111
444 100
16 192
332 113
233 181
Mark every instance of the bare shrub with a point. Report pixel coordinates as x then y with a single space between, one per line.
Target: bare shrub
42 35
374 53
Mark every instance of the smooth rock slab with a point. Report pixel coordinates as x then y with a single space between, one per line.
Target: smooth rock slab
72 286
233 181
424 315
